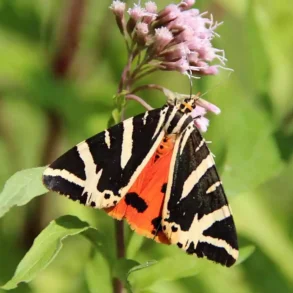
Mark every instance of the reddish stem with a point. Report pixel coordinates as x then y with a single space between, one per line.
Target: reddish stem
147 87
139 100
120 246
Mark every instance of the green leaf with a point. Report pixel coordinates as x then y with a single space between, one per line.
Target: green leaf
121 269
245 253
134 245
22 187
168 269
269 233
98 274
116 115
142 266
47 245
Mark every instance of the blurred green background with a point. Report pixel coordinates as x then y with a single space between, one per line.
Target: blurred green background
60 64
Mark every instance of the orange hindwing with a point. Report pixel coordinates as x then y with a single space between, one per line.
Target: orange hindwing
142 205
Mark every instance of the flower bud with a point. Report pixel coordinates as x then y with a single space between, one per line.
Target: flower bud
136 14
202 123
118 8
208 106
181 65
175 53
168 14
186 4
141 33
211 70
151 12
161 39
185 35
151 7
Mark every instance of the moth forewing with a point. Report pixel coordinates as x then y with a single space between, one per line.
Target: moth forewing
196 216
100 170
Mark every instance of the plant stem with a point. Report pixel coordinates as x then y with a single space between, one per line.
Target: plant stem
145 73
148 87
125 75
120 246
126 81
139 100
124 84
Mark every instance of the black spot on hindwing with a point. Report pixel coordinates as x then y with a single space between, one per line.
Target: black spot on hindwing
134 200
164 188
157 224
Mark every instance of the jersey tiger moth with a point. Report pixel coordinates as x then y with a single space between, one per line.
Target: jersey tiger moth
156 171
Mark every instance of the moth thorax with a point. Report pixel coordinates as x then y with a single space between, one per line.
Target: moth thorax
187 106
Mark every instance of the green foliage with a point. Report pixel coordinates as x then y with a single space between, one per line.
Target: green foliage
46 247
98 274
21 188
252 140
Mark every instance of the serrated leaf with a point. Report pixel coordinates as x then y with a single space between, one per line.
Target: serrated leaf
22 187
47 246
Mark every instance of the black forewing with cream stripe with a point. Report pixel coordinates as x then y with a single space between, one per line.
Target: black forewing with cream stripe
100 170
196 215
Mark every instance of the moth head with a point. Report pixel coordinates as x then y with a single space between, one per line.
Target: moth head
184 103
188 104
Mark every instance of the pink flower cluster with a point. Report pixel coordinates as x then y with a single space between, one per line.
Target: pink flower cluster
177 38
202 107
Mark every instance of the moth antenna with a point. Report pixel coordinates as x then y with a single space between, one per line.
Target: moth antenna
218 84
190 81
190 85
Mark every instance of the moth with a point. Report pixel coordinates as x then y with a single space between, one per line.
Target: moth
155 171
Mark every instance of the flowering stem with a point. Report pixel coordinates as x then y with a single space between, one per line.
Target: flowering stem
124 76
127 45
126 79
140 65
147 87
139 100
145 73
